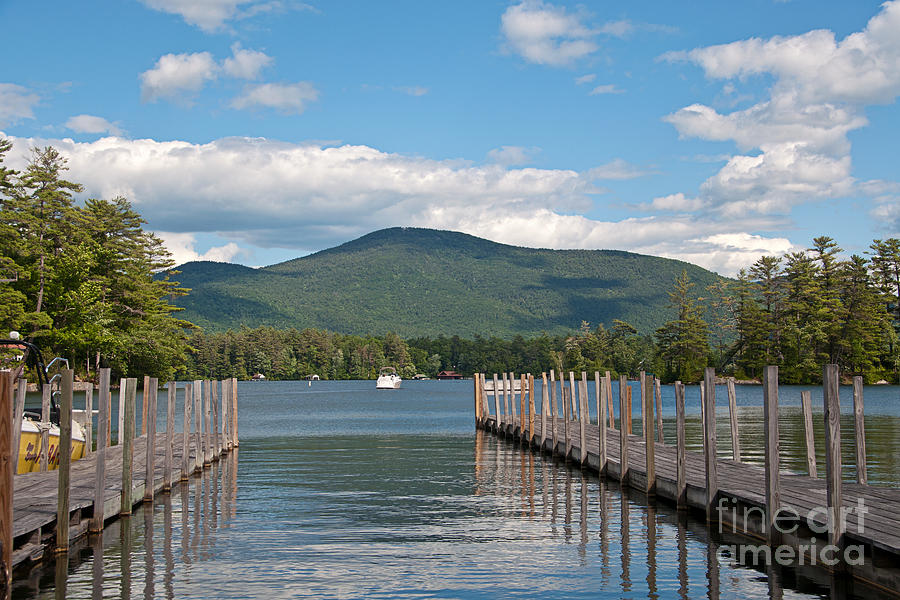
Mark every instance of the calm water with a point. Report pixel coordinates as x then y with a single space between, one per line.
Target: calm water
339 491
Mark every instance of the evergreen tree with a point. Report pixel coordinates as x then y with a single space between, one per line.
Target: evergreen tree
683 342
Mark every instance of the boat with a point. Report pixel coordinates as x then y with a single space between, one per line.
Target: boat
33 425
388 379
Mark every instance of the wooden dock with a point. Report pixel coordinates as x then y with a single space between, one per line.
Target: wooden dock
733 496
43 513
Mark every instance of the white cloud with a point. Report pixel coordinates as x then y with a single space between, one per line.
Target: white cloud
620 29
796 140
617 169
182 247
886 213
609 88
546 34
212 15
245 64
258 192
677 203
289 98
177 74
92 124
16 103
512 155
585 79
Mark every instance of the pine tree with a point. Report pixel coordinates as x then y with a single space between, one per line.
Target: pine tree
683 343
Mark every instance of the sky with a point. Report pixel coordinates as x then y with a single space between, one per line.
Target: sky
256 131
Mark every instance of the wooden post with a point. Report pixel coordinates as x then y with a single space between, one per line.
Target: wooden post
226 435
505 392
609 401
123 389
198 427
486 407
207 434
150 399
859 418
234 411
67 386
643 391
566 414
806 403
98 516
732 414
512 401
600 391
88 419
17 420
497 419
523 403
217 439
186 433
583 408
45 428
680 476
623 432
127 436
710 441
554 410
170 436
545 408
477 403
772 448
660 436
834 492
530 409
628 412
7 470
145 404
650 445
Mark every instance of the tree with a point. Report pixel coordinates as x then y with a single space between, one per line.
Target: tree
684 341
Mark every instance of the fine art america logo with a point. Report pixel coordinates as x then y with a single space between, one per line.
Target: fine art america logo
787 521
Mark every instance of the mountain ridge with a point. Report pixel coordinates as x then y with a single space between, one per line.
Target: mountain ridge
418 282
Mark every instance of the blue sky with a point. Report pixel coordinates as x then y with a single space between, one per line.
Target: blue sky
255 131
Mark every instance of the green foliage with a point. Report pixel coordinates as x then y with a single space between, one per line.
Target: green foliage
420 282
86 282
683 343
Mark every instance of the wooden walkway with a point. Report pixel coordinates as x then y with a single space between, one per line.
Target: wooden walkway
35 494
740 491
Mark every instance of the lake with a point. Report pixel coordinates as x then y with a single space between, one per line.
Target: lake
339 491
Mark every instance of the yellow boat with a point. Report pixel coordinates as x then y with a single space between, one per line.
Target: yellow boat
30 446
32 425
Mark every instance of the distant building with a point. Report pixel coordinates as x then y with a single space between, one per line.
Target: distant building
449 375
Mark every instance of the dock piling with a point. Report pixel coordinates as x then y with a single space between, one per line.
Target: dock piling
22 389
806 404
67 386
772 449
650 445
150 399
170 436
7 468
186 433
859 420
98 516
680 456
732 415
833 485
127 435
710 442
623 432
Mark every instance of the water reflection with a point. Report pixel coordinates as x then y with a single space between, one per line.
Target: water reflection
409 517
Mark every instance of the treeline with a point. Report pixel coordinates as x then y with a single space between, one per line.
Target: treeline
79 280
798 312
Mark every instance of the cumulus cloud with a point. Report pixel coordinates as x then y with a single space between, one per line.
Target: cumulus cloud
585 79
182 247
795 141
677 203
545 34
92 124
245 64
176 75
263 193
289 98
212 15
16 103
512 155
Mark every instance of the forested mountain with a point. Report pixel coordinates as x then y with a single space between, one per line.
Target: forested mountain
422 282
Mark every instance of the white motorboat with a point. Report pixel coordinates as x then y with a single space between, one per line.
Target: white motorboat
388 379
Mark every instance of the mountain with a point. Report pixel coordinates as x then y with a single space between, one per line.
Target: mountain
418 282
